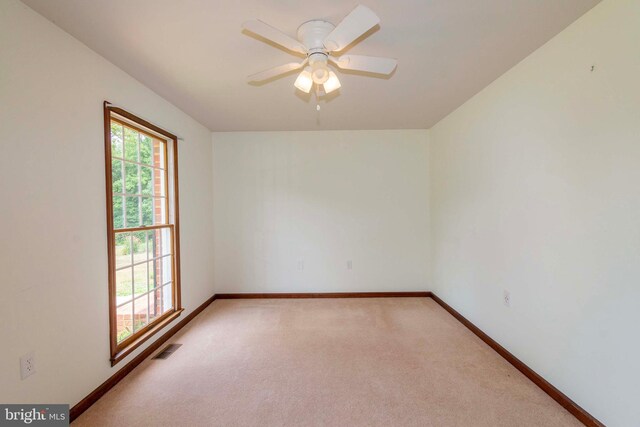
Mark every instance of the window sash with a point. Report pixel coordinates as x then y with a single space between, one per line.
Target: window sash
132 264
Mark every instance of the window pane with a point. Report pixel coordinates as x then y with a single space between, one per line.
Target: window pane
163 269
146 149
167 299
159 185
165 236
151 272
160 242
131 178
133 211
139 279
140 312
116 175
158 153
139 246
146 180
123 285
116 139
130 144
160 301
159 210
124 322
155 304
151 243
118 212
157 273
147 211
123 249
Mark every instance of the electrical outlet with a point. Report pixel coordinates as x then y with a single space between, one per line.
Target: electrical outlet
27 365
300 265
349 265
507 298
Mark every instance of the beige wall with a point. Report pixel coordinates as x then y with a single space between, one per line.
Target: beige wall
53 257
536 190
322 199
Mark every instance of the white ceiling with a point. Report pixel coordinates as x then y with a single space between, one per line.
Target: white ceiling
193 53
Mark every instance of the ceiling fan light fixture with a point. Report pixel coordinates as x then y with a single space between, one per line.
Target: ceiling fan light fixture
332 83
304 81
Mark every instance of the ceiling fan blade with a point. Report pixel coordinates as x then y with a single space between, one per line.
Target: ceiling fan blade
268 32
359 21
275 71
370 64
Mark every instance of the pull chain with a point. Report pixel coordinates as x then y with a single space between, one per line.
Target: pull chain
317 98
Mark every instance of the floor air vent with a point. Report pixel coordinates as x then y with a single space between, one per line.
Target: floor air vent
168 351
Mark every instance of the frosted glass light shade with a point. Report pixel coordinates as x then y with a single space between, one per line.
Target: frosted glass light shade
304 81
332 83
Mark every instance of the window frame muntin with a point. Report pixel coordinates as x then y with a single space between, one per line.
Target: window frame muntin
120 350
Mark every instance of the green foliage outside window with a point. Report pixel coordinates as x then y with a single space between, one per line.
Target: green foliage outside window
135 179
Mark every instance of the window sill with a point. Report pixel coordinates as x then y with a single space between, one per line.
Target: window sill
144 337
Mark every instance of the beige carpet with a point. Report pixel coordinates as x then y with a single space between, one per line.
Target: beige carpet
332 362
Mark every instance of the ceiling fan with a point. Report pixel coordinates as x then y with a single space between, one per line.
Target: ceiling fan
320 41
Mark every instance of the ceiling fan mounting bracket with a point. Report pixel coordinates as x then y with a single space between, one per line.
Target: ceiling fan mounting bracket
313 34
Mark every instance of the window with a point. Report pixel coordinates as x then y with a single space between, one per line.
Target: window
142 222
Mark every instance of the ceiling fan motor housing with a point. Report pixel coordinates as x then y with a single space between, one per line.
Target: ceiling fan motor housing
313 33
